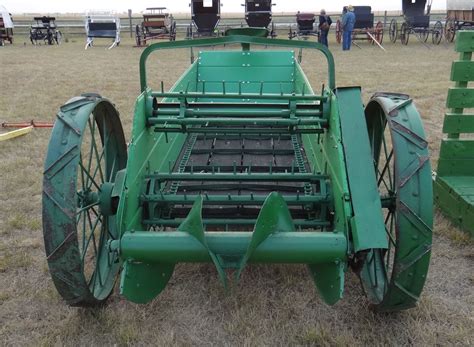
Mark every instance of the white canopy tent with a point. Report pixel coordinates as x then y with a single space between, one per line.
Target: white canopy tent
7 20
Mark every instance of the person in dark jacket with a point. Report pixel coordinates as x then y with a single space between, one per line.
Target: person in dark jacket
324 26
348 22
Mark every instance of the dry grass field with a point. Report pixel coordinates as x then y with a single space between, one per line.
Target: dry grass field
272 305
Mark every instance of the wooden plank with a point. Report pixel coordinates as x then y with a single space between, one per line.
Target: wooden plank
457 149
465 41
15 133
458 123
460 98
462 71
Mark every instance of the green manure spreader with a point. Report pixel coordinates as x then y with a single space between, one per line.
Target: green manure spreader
240 162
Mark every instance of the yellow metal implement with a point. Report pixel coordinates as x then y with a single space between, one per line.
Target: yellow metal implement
15 133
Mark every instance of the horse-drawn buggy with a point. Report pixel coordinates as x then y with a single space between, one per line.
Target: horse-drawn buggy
417 22
305 26
259 14
45 29
102 25
364 28
460 17
157 25
6 26
205 17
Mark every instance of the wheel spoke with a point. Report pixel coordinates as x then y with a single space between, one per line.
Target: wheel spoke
388 158
89 177
86 243
385 169
91 151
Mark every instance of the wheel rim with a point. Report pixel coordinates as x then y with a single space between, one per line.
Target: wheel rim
379 32
338 31
424 35
77 235
393 279
450 30
437 33
393 32
404 34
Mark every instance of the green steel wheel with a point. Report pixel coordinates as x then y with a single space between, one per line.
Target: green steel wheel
86 150
394 278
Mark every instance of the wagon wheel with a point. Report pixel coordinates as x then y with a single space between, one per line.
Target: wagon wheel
58 37
450 30
173 32
86 150
290 34
138 38
273 33
405 34
394 278
338 31
378 33
437 34
32 37
393 31
424 35
49 37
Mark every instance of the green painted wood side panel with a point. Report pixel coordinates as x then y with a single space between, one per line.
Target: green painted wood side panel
465 41
462 71
368 223
265 59
456 158
460 98
247 73
458 123
454 196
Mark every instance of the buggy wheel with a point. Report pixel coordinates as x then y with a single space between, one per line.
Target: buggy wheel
173 32
138 39
86 150
437 34
393 278
404 34
378 33
450 30
424 35
32 38
338 31
58 37
393 31
290 34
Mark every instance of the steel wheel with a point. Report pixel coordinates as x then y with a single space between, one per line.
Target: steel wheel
424 35
404 34
393 279
58 37
393 31
450 30
138 35
86 150
338 31
437 34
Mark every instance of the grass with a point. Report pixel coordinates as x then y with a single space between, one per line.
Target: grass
273 305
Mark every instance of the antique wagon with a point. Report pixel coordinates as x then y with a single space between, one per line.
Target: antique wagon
157 25
205 17
45 29
364 28
417 22
305 26
460 17
104 24
6 26
259 14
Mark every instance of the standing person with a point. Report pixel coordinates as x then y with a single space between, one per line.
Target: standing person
324 26
348 22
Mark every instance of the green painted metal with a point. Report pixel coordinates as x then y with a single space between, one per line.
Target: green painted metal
394 278
242 162
367 223
77 220
455 174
